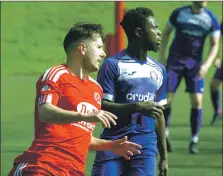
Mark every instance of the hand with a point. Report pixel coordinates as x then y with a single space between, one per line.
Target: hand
125 148
217 63
203 70
163 167
155 115
150 109
105 117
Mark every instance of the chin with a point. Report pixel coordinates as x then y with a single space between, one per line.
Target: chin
96 68
201 4
155 48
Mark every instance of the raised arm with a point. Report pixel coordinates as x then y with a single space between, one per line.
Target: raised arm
160 126
172 23
215 35
165 38
52 114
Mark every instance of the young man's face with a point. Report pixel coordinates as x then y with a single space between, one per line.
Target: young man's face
151 35
94 54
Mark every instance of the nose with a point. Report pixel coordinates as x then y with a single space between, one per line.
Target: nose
103 55
159 32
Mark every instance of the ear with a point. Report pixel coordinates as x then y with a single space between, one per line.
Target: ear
82 48
138 32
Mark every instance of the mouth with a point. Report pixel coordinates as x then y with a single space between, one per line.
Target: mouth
159 41
98 62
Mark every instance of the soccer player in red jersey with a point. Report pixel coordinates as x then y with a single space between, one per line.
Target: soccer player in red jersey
67 106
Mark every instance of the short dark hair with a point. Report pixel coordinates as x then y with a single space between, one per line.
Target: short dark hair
134 18
82 30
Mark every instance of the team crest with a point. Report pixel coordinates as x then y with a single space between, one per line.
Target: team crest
97 97
154 75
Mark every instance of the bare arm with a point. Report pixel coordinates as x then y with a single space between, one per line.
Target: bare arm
52 114
121 147
118 108
161 137
165 38
100 144
213 51
121 109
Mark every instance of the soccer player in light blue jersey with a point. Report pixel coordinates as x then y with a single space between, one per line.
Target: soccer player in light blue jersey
134 86
214 88
192 24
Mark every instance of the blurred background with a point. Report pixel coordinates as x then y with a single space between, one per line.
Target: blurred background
32 35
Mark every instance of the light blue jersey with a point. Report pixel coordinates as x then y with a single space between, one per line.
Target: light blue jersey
191 31
127 80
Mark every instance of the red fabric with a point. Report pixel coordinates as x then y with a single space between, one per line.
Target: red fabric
65 146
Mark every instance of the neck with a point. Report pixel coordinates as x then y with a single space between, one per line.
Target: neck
196 8
135 50
76 67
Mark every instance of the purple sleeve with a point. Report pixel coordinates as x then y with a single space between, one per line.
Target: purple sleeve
107 76
215 28
173 18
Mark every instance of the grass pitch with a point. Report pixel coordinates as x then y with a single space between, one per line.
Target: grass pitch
31 40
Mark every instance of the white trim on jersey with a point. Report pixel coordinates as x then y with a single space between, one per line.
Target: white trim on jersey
58 74
54 73
50 71
91 79
40 100
45 99
162 102
216 33
108 97
20 167
47 73
49 98
45 88
154 64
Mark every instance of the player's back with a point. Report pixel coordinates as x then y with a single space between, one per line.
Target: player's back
128 80
64 143
191 31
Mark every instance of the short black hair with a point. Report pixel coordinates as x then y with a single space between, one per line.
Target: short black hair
134 18
83 30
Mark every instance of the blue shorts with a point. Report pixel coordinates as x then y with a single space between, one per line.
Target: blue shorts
188 69
121 167
219 73
109 164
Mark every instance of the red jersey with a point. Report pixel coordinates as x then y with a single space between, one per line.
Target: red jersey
65 144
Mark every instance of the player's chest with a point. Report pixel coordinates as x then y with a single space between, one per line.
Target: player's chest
82 98
194 24
140 75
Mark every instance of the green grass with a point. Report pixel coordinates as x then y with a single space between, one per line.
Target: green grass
31 40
